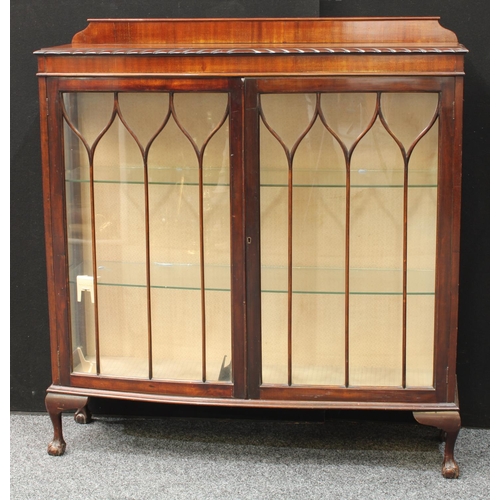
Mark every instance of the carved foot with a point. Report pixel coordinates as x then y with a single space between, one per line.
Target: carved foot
449 423
450 468
56 404
83 415
56 447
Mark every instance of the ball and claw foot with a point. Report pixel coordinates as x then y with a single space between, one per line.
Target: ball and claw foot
83 416
56 448
450 469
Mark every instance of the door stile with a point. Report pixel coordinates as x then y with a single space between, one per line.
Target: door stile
238 279
252 232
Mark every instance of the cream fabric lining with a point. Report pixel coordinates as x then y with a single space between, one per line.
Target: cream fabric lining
318 319
174 232
376 240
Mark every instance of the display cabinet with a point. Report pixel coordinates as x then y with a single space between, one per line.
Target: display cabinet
254 213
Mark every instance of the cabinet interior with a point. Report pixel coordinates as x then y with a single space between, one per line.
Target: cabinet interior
340 173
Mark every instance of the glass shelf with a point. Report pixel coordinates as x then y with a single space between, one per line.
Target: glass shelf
163 275
157 175
327 178
269 177
306 280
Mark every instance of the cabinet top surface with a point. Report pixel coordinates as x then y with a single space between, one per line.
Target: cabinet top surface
261 36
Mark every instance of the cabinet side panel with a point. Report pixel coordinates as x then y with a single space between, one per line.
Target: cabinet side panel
447 242
42 85
58 253
457 195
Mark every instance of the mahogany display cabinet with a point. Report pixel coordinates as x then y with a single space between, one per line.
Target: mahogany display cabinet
254 213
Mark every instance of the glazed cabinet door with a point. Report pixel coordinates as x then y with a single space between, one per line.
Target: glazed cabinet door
349 185
152 178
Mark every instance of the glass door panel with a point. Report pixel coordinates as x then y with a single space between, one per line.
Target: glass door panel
79 234
348 247
119 237
175 268
376 245
422 215
318 261
302 219
274 217
147 183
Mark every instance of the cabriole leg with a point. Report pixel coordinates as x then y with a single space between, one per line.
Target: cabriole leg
449 423
56 404
450 468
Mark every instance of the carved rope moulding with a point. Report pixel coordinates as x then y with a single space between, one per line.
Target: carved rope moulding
263 50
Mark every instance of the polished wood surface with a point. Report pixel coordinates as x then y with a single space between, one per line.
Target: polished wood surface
254 65
254 47
246 58
211 400
349 31
246 288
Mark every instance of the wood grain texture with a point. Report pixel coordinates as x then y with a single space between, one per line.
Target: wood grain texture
414 405
55 205
238 275
257 47
446 214
252 65
47 213
455 238
391 31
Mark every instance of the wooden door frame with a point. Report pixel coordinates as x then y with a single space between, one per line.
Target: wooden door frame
57 246
448 216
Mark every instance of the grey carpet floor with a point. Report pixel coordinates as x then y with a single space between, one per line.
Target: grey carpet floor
191 458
